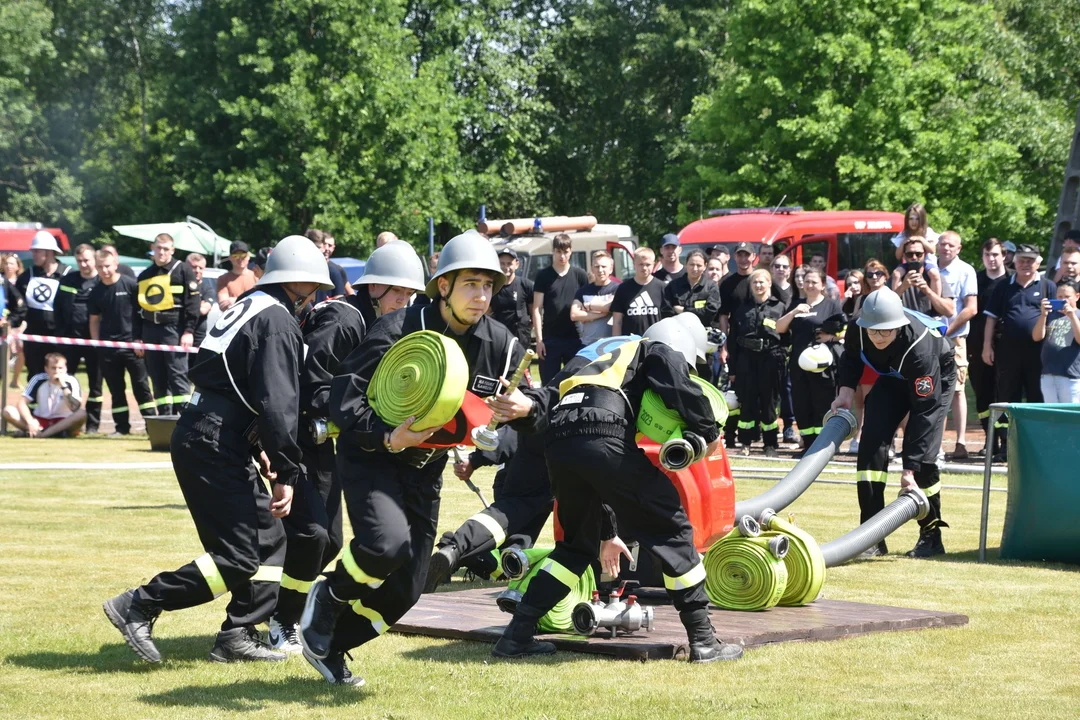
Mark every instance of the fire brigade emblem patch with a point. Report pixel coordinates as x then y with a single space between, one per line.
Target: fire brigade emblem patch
924 386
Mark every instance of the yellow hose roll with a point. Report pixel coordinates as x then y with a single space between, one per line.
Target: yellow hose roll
741 573
425 375
660 423
804 561
716 399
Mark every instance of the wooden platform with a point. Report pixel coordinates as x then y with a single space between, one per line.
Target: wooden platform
473 615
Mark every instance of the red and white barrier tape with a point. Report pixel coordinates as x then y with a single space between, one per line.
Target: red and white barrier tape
26 337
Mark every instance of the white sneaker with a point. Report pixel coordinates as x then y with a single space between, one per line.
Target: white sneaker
853 448
285 637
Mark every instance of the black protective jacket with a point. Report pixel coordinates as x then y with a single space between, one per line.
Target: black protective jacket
920 358
252 356
702 299
332 330
72 309
186 298
39 291
753 329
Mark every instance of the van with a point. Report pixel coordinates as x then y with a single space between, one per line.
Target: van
532 242
847 238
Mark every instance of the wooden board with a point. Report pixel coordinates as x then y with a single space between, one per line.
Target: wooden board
473 615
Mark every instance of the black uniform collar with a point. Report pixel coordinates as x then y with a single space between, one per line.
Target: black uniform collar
275 291
432 319
363 303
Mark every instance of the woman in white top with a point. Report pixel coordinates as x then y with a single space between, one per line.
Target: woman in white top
915 224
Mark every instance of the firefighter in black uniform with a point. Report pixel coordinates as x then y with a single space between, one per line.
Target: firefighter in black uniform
74 316
593 459
756 356
169 298
692 292
333 329
114 315
391 486
917 371
245 406
39 286
510 306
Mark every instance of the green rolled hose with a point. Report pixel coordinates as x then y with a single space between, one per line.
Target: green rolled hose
425 375
804 561
560 617
660 423
742 573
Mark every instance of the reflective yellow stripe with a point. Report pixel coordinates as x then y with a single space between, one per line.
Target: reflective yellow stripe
68 288
291 583
117 411
498 564
984 414
771 426
372 616
355 572
733 413
810 430
688 579
746 425
97 399
559 572
872 476
148 405
267 573
933 489
178 399
769 323
1001 424
491 525
176 288
210 572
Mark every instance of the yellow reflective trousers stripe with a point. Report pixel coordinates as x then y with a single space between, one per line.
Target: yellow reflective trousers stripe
933 489
291 583
872 476
498 564
560 572
491 525
743 425
373 616
688 579
774 425
267 573
211 574
356 573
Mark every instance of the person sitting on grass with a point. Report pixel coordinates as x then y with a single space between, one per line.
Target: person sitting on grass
52 405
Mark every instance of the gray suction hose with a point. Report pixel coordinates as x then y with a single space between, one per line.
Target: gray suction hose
910 505
838 427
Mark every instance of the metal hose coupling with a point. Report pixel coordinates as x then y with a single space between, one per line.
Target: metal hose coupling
616 615
322 430
515 563
509 599
920 499
852 421
748 527
486 438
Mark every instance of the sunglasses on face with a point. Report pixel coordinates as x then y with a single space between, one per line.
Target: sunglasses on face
779 266
913 255
875 274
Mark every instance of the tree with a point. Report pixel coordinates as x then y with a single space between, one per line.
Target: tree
853 103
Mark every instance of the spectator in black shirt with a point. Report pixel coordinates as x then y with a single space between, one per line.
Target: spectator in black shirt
556 334
981 374
337 273
121 268
510 306
71 309
638 300
207 294
693 292
114 315
671 268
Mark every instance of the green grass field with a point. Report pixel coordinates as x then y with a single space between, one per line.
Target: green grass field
71 539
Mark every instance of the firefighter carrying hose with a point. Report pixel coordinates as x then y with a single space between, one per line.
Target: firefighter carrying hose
245 407
917 374
333 329
756 356
593 459
391 485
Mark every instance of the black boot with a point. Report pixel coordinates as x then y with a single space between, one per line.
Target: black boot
704 647
517 640
334 669
929 544
321 613
441 566
135 620
243 644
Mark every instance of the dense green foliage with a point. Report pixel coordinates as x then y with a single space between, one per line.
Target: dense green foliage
364 115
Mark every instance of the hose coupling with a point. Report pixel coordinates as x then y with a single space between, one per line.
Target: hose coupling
322 430
515 563
508 600
848 416
766 517
779 546
676 454
748 526
920 500
629 616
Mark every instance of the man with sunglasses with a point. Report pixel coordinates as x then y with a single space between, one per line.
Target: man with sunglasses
237 281
917 371
919 285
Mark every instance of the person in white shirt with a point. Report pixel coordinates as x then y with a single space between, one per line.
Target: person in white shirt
52 404
960 276
915 225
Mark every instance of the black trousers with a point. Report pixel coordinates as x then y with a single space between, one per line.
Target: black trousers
244 543
983 378
168 370
787 407
557 352
91 355
394 512
1018 366
757 385
587 472
313 528
34 353
522 506
886 407
812 395
114 363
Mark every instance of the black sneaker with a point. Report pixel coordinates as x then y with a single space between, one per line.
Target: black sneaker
443 563
135 621
928 545
510 648
714 651
876 551
321 612
1000 459
243 644
770 452
333 668
789 434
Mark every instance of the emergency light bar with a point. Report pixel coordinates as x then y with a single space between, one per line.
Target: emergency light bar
785 210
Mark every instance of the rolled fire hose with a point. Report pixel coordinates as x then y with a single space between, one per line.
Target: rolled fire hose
745 569
663 425
804 561
912 504
561 617
423 375
839 426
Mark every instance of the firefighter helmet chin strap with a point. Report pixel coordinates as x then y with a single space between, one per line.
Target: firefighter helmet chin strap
301 300
446 299
375 300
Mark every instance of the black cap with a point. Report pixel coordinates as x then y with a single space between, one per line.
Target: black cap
1027 250
509 251
744 247
719 248
238 246
669 239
